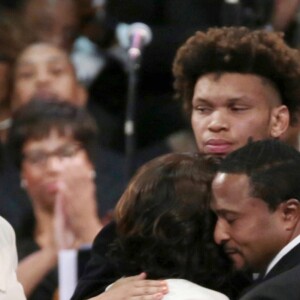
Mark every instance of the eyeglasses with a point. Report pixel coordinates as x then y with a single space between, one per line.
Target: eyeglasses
40 157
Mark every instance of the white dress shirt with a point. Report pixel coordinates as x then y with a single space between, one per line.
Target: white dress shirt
292 244
10 288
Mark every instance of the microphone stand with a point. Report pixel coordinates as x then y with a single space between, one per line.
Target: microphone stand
129 125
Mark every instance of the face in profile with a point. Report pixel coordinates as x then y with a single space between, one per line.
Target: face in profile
250 232
51 164
45 71
230 108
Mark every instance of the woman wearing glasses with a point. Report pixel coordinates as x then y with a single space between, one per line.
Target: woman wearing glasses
54 145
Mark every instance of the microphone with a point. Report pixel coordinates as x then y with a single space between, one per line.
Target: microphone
139 35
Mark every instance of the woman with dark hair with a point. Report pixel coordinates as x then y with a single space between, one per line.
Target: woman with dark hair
54 145
165 228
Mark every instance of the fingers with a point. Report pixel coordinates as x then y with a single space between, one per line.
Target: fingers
140 276
141 288
149 288
64 237
59 222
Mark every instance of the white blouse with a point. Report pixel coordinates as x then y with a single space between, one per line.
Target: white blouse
181 289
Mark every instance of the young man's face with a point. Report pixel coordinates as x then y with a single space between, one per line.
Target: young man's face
249 231
231 108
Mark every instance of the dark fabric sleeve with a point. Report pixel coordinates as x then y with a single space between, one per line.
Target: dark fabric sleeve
100 271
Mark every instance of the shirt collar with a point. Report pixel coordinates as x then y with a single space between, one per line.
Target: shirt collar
287 248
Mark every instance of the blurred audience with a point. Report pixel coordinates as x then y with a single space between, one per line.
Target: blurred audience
54 144
14 35
45 71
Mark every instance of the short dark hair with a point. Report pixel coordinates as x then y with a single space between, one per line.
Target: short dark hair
238 50
273 168
37 118
164 222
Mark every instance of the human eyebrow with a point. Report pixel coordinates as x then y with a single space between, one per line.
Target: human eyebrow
243 99
238 100
201 101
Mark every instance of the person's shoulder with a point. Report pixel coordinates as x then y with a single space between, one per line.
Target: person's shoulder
184 289
275 288
7 234
105 236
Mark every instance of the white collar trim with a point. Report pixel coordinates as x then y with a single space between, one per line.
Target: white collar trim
287 248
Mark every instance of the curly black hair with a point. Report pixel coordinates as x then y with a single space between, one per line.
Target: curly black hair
238 50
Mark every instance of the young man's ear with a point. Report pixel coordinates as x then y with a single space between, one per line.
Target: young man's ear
290 211
280 120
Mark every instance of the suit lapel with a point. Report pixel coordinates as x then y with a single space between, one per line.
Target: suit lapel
287 262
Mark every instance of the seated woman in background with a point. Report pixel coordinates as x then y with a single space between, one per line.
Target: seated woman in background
53 143
165 229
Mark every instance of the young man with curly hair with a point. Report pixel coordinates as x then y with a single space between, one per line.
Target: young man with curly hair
237 85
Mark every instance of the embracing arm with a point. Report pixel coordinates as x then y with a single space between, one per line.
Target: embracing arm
135 288
101 272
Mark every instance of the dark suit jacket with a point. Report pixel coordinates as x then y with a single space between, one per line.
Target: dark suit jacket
282 282
100 271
